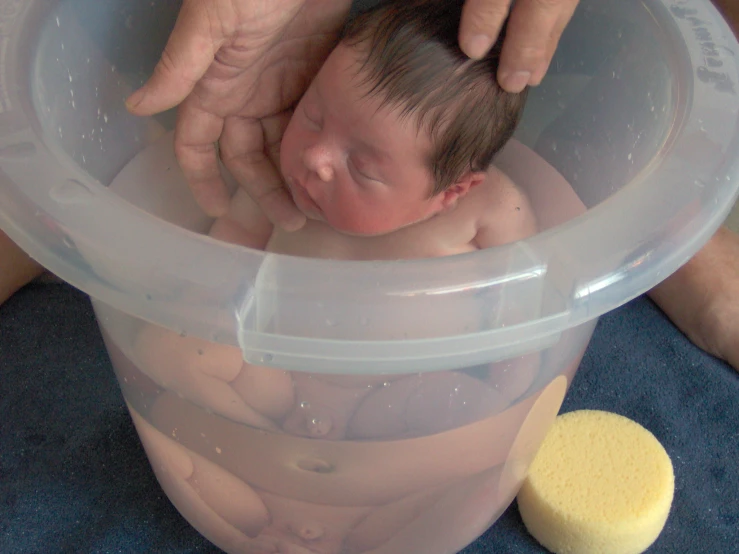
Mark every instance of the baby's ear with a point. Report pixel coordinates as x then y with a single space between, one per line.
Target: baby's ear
462 186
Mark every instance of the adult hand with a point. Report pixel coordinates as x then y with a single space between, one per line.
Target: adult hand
235 69
533 32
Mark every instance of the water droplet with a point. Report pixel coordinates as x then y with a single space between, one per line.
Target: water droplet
630 157
71 192
105 117
332 323
68 242
554 146
267 358
57 22
18 151
305 405
218 450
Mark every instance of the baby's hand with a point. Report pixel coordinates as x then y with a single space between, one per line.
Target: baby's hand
215 377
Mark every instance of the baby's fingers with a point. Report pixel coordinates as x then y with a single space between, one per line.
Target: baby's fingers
534 29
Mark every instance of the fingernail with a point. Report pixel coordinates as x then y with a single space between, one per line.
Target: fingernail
477 46
516 81
135 99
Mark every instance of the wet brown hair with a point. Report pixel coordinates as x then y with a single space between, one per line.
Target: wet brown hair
412 61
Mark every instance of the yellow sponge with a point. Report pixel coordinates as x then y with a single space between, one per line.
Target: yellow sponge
600 484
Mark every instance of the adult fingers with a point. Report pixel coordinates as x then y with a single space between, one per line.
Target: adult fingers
538 75
274 129
534 29
196 135
480 25
245 150
190 51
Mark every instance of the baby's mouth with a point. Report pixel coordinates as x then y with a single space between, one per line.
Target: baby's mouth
300 196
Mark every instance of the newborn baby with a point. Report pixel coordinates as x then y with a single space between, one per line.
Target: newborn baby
389 151
389 154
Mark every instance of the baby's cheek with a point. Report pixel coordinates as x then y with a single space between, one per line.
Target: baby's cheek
357 216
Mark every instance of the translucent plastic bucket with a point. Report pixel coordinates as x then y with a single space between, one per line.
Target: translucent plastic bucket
298 405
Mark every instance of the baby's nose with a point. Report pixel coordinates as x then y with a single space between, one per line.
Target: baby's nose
319 160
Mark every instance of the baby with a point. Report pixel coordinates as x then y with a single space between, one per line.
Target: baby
389 151
389 154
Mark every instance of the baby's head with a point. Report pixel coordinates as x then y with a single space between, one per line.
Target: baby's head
398 124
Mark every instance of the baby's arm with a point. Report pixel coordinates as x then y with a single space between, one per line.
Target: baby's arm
507 215
243 224
211 374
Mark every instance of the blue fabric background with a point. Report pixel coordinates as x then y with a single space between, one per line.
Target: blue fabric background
74 477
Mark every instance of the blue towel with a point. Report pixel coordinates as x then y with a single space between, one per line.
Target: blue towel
74 477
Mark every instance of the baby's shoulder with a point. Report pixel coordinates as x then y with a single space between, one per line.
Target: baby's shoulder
497 191
502 210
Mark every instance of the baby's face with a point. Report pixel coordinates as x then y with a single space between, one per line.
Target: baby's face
355 165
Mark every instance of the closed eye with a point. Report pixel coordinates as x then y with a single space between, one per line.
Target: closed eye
360 173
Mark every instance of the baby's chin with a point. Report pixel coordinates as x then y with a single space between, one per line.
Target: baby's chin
363 233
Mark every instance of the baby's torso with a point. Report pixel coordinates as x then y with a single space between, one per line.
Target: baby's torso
443 235
449 233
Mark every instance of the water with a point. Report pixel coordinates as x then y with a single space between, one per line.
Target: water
264 460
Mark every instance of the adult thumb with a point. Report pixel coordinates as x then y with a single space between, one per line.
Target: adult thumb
190 51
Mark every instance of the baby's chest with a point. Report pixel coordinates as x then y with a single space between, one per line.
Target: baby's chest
425 240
